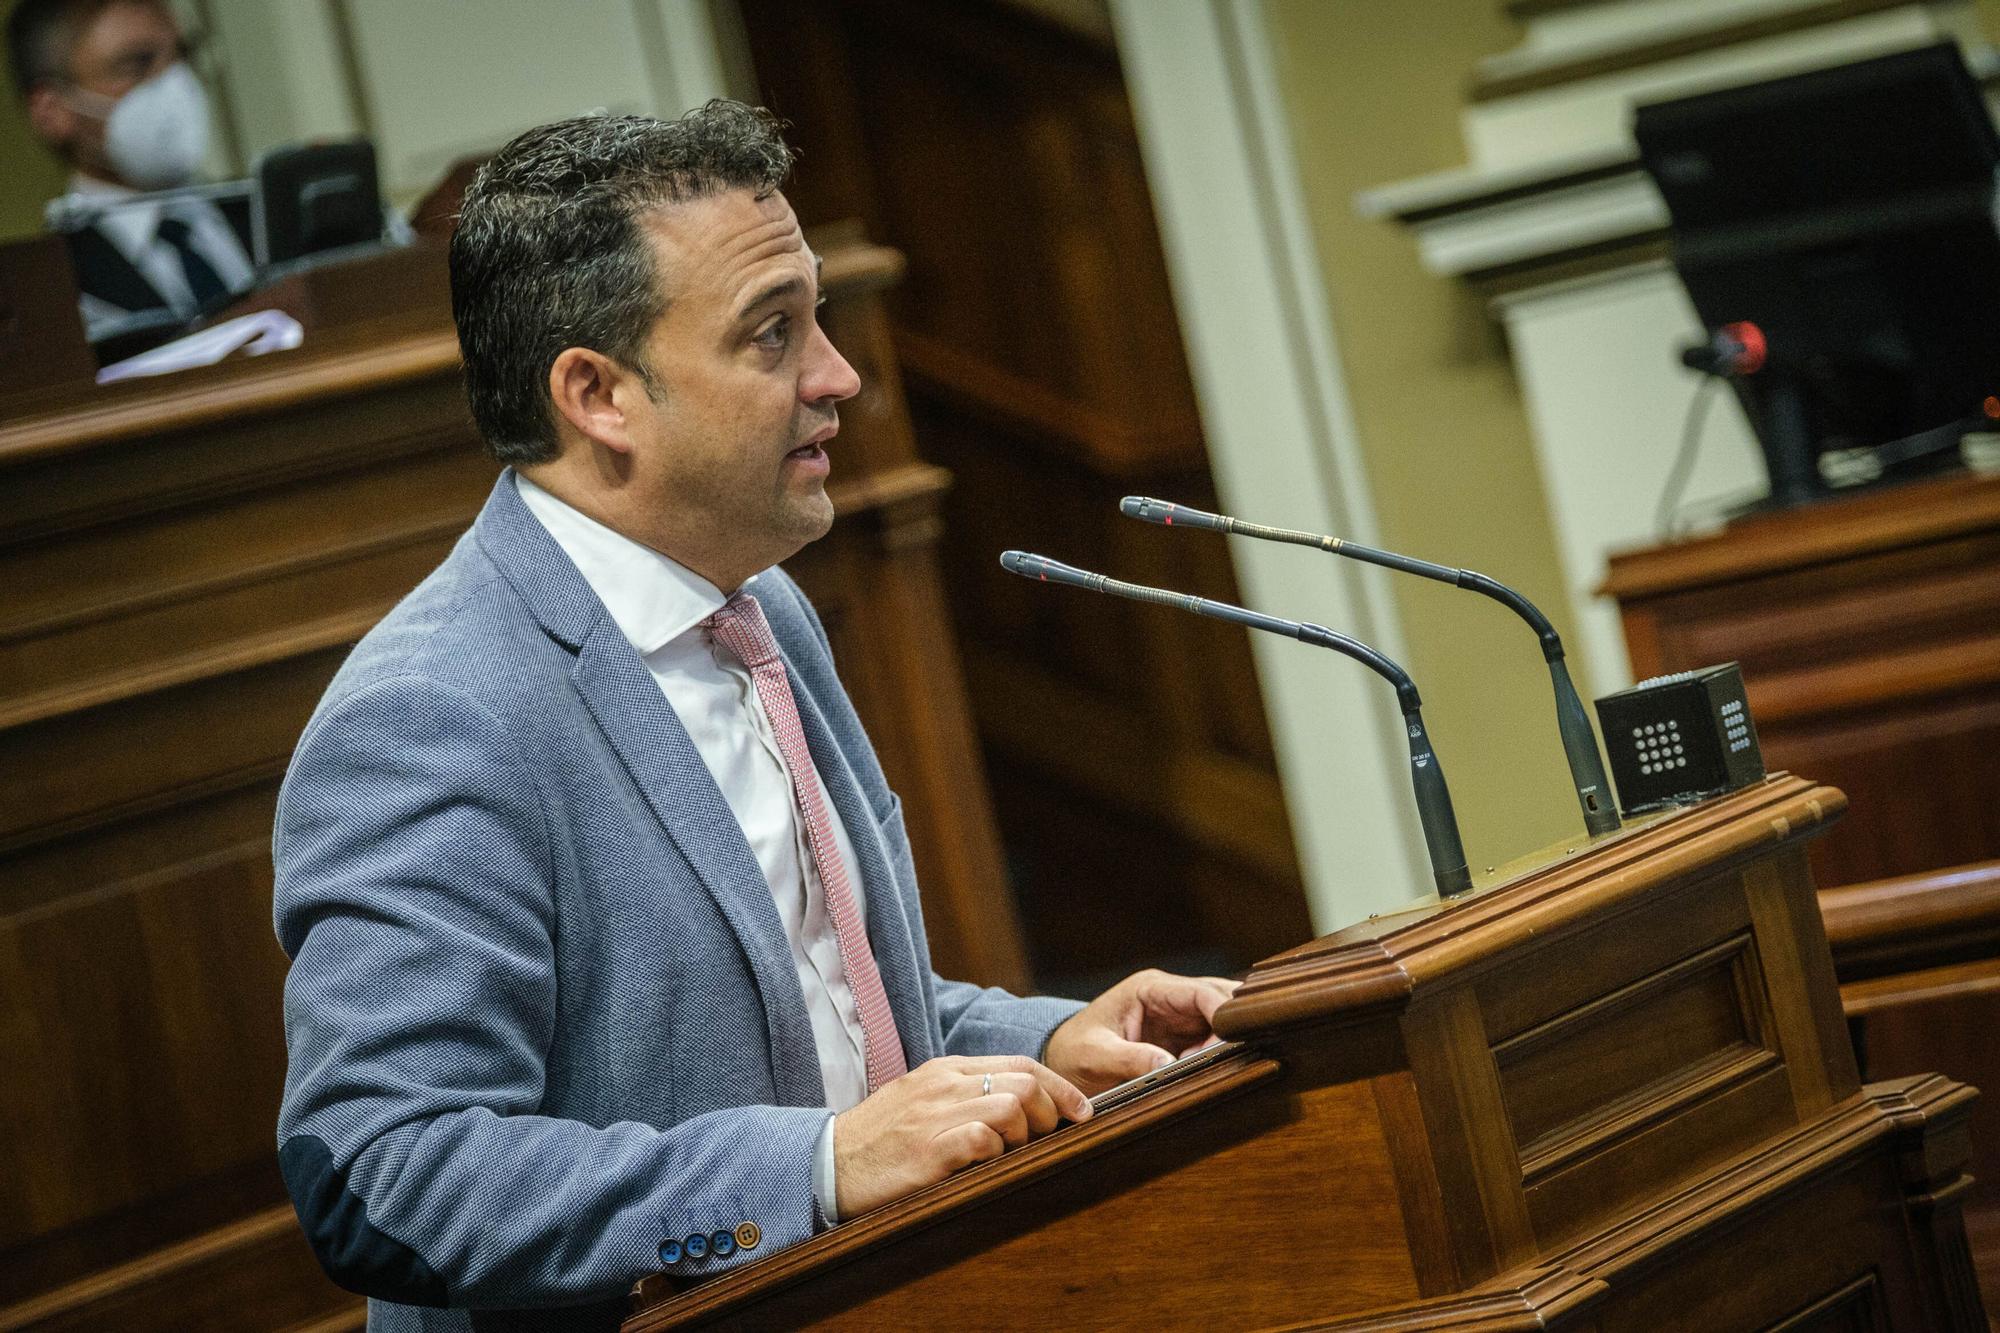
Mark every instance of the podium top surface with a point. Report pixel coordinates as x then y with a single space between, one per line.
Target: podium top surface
1384 961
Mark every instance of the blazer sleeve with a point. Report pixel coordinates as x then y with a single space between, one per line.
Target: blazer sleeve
414 866
985 1020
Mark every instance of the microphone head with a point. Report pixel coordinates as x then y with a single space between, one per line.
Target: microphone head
1168 514
1748 349
1146 509
1044 570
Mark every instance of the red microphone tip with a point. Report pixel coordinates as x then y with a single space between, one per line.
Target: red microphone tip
1755 348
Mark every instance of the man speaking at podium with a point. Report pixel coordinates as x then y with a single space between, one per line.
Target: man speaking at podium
598 903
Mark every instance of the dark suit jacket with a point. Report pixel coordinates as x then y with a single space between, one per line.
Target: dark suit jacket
103 271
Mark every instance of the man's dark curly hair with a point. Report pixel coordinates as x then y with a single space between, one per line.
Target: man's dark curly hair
549 252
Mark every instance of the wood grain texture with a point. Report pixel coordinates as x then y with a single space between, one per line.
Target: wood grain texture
1912 922
1385 960
1099 1232
1894 519
1682 1028
1471 1146
256 1273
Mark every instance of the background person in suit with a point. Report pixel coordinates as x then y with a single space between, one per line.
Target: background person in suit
607 948
106 85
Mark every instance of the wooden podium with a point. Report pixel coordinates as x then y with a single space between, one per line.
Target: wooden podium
1610 1093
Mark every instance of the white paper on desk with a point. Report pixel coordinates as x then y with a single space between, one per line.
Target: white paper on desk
253 335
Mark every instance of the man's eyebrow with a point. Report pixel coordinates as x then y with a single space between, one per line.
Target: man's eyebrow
783 287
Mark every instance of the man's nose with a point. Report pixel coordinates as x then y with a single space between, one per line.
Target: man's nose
828 376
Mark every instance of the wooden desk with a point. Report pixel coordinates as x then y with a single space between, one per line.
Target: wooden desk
187 560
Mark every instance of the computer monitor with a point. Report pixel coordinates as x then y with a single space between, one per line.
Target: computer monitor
1849 213
316 199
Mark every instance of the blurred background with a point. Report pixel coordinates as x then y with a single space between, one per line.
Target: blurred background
1397 272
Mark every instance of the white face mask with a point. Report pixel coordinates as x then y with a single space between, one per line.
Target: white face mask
157 134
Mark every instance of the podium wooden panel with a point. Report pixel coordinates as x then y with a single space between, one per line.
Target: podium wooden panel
1612 1093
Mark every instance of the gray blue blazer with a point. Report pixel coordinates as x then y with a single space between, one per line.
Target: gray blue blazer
542 1015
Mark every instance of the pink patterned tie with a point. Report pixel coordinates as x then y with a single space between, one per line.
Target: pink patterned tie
740 627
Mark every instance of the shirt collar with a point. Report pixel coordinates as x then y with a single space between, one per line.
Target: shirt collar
130 219
652 598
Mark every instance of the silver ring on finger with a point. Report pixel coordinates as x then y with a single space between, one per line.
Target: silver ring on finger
986 1085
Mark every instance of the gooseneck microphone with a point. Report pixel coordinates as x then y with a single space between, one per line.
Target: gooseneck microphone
1579 738
1434 811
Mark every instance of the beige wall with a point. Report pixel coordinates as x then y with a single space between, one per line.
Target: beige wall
31 176
1373 88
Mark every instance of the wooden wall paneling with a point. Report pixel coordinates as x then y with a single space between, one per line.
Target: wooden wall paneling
1919 961
1127 747
1929 769
1866 630
41 333
160 1072
254 1273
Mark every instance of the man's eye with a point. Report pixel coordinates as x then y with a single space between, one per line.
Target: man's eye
774 333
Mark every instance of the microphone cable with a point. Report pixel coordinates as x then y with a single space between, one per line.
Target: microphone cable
1666 518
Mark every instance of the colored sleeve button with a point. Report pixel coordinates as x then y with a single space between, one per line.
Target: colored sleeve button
670 1252
696 1246
722 1244
747 1235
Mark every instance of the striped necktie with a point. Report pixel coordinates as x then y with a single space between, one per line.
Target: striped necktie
740 627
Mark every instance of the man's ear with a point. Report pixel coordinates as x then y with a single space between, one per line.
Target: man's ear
51 118
583 386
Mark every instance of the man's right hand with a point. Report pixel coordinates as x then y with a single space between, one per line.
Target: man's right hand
937 1119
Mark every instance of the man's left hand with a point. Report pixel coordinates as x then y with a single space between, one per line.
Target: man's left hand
1135 1027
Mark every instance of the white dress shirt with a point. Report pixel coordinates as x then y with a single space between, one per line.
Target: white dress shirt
132 226
659 604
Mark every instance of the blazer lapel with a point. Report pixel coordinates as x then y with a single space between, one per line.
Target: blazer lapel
649 740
